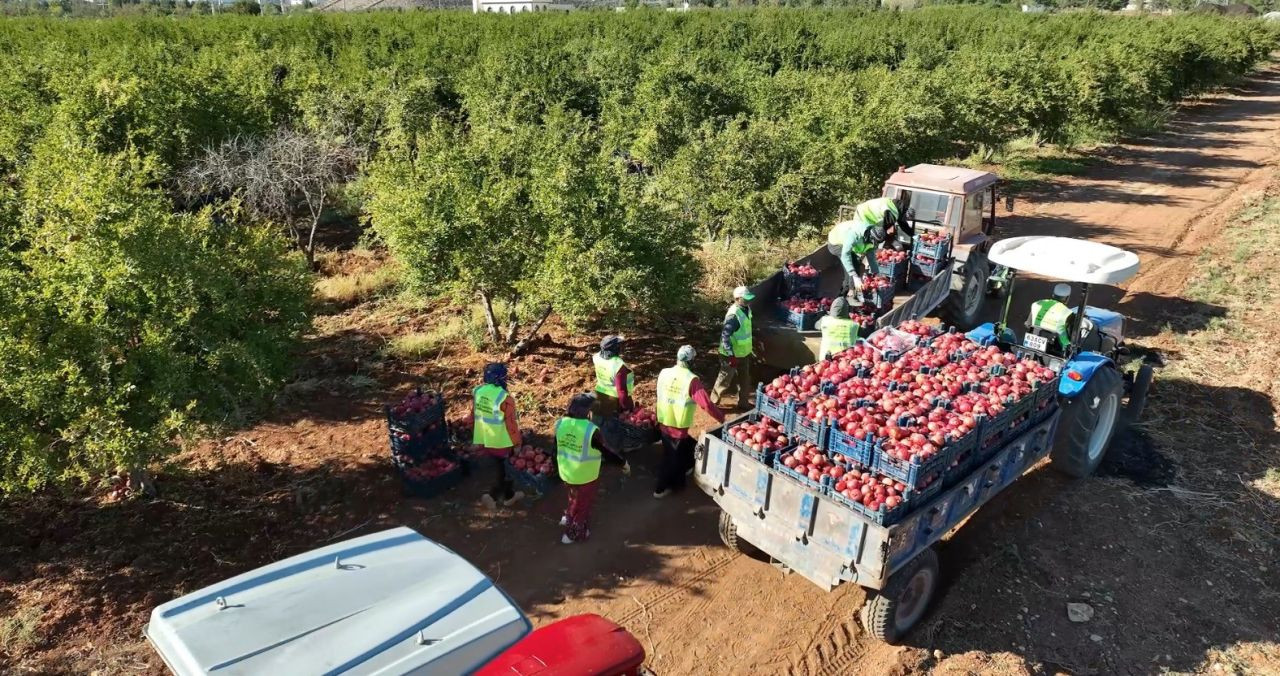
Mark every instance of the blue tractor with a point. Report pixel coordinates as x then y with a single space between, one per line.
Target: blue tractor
1103 383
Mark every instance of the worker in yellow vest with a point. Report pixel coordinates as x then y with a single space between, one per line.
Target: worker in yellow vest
580 447
497 432
1053 316
838 331
735 350
679 390
614 379
854 241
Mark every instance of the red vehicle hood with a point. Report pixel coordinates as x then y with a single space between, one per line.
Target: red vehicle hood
576 646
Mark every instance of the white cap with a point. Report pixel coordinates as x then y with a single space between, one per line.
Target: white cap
742 292
1061 291
686 354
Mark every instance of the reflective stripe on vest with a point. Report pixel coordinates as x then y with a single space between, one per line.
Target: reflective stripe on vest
606 371
838 334
740 341
1052 315
491 423
675 406
577 461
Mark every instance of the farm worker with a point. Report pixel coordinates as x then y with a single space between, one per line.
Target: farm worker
496 430
580 446
856 239
679 389
838 331
614 379
735 349
1054 315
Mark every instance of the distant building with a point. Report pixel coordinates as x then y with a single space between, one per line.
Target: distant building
518 6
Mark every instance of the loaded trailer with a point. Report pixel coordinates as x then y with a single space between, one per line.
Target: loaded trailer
806 524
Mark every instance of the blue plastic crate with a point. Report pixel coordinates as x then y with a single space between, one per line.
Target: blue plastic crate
821 486
763 456
885 516
801 321
896 272
777 409
794 285
530 482
425 444
857 450
940 250
808 430
881 299
429 487
913 473
929 267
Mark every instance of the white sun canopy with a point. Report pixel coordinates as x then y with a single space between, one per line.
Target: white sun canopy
1074 260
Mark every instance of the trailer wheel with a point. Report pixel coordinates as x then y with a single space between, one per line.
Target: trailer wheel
1138 395
729 534
889 614
963 307
1088 423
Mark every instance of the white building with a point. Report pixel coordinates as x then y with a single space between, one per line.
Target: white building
518 6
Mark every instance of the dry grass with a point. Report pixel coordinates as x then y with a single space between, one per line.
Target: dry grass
744 261
21 629
438 339
347 289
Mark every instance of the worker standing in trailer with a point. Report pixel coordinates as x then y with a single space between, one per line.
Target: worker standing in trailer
839 333
679 391
854 241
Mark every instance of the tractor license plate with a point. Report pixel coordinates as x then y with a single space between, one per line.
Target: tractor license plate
1038 343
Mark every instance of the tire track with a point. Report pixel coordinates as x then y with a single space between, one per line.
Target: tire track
681 588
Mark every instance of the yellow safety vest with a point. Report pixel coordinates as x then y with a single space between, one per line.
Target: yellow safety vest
740 341
1052 315
577 461
606 370
838 334
675 406
491 423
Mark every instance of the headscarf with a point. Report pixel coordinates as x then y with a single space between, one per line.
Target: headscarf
610 346
580 405
839 308
496 374
685 355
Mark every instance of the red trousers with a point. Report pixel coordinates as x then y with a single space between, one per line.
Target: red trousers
581 498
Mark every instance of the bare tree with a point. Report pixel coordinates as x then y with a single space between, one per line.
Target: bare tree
286 177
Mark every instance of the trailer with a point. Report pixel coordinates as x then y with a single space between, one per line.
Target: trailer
957 201
803 528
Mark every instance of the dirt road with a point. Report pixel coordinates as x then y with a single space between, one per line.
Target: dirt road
316 471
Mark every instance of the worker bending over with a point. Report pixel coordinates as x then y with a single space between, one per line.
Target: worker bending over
497 432
854 241
614 379
838 331
735 350
580 447
679 389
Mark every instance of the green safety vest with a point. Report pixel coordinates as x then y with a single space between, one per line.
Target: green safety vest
675 406
1052 315
606 369
871 212
740 341
491 423
838 334
578 462
839 233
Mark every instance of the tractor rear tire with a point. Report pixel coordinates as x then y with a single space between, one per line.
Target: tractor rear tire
963 307
890 613
729 535
1089 420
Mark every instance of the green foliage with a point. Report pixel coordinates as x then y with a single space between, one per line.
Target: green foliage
125 326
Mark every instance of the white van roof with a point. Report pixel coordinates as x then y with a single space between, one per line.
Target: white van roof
1074 260
388 603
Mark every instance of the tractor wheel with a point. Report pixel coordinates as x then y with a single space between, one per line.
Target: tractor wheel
1138 395
963 307
1088 422
729 534
890 613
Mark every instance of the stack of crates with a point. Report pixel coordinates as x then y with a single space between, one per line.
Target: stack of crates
420 449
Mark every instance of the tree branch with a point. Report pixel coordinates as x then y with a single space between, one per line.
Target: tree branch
533 333
488 315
